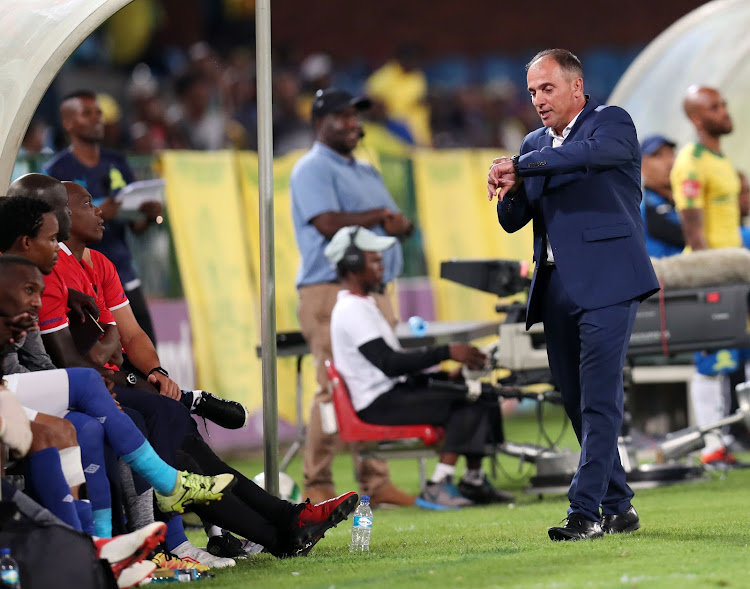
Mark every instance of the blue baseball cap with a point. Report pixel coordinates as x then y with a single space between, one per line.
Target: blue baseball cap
653 143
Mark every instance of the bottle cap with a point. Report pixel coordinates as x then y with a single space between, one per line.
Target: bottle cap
4 550
365 499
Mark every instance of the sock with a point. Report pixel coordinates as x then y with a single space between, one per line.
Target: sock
212 531
726 396
175 533
102 523
474 476
442 471
85 515
47 482
708 406
88 394
139 508
157 472
90 434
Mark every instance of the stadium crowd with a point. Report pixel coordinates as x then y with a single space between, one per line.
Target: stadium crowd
204 99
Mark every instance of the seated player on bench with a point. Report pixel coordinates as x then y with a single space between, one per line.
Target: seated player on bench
386 383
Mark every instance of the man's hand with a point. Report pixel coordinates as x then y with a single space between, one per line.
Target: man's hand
165 385
502 177
110 384
12 329
396 224
14 425
151 210
473 357
79 303
107 348
109 207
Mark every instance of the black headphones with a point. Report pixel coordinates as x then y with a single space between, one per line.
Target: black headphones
354 258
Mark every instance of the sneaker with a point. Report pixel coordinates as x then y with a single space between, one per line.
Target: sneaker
333 511
314 521
227 414
226 545
123 551
445 494
192 489
135 573
167 561
719 459
187 550
483 493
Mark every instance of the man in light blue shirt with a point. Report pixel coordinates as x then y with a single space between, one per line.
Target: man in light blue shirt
330 190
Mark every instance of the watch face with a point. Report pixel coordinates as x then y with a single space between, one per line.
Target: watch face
131 378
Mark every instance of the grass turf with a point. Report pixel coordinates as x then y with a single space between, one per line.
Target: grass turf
693 535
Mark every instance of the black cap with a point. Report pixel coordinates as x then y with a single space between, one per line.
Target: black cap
653 143
333 100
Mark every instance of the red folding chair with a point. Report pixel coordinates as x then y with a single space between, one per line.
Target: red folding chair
382 441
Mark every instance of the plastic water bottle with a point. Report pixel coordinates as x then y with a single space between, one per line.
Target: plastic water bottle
418 325
9 575
362 526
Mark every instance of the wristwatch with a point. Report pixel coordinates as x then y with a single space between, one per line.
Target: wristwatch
131 378
514 161
160 370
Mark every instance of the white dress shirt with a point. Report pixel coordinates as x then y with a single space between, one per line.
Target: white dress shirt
557 141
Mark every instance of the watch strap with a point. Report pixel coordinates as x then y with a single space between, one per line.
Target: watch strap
160 370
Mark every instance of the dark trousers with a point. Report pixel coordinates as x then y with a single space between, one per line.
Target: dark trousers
247 510
586 351
470 427
168 422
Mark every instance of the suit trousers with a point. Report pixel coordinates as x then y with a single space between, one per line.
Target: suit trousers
586 351
315 306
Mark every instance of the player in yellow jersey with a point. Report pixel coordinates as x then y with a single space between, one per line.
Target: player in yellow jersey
706 193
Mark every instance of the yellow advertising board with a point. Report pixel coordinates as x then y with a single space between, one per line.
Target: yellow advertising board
457 221
206 219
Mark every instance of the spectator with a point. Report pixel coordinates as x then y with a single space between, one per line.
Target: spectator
104 172
660 219
196 125
402 86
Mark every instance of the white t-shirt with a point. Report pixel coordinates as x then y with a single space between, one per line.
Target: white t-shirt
356 320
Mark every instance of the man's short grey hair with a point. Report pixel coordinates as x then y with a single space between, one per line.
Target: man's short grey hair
568 62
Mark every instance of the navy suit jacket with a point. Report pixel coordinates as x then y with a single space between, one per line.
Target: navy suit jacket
586 196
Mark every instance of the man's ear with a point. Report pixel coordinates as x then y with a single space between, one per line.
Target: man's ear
578 86
22 243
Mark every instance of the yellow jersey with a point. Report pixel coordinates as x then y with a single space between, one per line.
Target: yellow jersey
704 179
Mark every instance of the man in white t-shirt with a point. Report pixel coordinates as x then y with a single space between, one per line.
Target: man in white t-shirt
387 385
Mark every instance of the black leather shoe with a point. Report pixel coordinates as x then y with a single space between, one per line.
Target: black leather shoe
224 413
627 521
576 527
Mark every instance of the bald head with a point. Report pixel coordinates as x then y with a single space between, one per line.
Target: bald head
51 191
707 110
88 226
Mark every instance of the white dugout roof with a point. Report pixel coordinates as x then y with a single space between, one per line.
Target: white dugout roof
711 47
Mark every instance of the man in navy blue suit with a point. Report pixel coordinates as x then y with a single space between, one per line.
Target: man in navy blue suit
578 180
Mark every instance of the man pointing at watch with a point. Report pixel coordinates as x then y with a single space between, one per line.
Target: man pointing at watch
578 180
